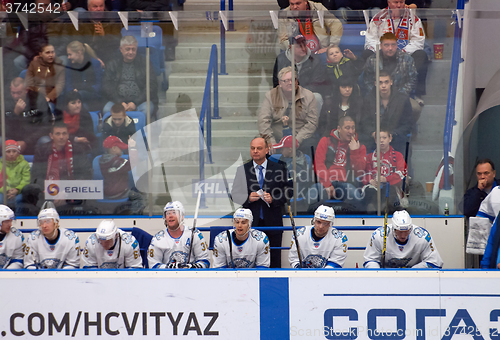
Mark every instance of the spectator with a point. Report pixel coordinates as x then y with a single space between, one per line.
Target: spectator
84 75
406 246
115 169
178 246
345 100
12 240
407 27
310 69
338 65
27 117
79 122
260 185
321 245
398 64
395 114
118 124
51 247
111 248
17 170
318 36
340 158
125 80
60 159
275 112
252 245
486 181
392 171
45 75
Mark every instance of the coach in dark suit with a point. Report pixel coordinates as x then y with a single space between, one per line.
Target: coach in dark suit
260 186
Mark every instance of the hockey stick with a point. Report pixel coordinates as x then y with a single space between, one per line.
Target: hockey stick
194 226
406 164
382 265
230 247
295 236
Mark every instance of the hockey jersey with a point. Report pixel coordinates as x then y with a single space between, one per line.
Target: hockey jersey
329 252
253 253
165 250
489 208
418 252
392 167
125 253
12 250
64 254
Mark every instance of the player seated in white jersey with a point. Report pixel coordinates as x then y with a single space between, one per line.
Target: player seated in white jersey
242 247
407 246
177 246
11 241
321 245
51 247
111 248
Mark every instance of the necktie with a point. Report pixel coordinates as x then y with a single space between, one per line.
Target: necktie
261 183
261 176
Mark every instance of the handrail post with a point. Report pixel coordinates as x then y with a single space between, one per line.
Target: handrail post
231 22
223 40
216 83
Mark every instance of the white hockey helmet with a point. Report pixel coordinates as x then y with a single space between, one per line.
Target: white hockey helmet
401 220
48 213
245 214
106 230
6 214
324 213
177 207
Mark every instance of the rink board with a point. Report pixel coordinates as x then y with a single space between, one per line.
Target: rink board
285 304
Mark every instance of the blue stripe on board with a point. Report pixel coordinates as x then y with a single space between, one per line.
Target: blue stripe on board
419 295
274 309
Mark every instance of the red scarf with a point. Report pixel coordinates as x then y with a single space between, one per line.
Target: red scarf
55 157
72 121
307 31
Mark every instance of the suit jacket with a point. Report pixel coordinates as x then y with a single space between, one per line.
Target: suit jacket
275 181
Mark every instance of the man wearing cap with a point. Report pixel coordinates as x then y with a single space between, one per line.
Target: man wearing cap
276 111
17 169
114 168
111 248
321 245
27 117
59 159
310 68
406 246
242 247
318 36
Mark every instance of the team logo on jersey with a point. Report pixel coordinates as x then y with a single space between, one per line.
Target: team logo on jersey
316 245
53 189
110 253
1 245
312 45
52 247
401 248
176 241
240 249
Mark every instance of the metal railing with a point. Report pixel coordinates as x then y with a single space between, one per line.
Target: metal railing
456 59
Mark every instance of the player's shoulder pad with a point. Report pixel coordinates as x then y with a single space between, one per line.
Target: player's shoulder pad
70 234
159 235
301 230
197 232
257 234
91 240
127 238
379 231
222 236
422 233
35 234
338 234
16 232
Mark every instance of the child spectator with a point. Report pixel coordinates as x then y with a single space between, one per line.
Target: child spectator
338 65
114 168
118 124
392 171
18 171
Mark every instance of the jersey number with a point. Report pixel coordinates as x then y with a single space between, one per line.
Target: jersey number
151 252
136 254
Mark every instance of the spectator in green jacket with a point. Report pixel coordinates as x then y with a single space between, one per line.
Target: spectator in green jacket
18 172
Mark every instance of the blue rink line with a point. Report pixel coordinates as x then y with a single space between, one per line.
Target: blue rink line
274 309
